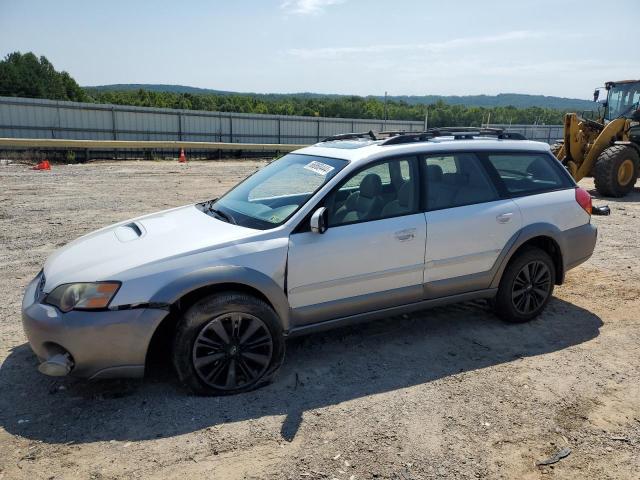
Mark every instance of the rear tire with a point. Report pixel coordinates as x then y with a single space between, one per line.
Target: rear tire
228 343
616 171
526 286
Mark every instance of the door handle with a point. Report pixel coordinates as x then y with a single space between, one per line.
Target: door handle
405 235
504 217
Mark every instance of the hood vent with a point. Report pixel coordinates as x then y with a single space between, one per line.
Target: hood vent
130 231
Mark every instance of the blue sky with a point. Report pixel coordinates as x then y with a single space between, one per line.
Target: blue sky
462 47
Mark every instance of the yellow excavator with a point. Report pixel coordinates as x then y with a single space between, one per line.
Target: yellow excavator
607 149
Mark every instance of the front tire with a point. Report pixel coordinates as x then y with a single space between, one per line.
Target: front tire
228 343
526 286
616 171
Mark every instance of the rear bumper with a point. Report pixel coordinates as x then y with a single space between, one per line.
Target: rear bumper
101 344
578 245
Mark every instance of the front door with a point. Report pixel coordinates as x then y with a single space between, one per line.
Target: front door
372 254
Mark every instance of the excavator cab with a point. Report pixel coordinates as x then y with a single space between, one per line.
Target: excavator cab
607 149
623 100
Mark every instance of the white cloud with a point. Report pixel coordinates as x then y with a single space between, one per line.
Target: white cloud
433 47
308 7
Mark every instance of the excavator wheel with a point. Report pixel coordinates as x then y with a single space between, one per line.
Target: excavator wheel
616 170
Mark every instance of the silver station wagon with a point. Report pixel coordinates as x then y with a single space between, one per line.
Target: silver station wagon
350 229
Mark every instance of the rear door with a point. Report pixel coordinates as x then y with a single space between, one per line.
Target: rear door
468 223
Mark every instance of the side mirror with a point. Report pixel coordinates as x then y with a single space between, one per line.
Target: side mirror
319 220
596 96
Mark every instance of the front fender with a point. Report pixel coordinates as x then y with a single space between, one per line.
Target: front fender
210 276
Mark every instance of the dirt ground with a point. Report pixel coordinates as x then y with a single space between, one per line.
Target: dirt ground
446 393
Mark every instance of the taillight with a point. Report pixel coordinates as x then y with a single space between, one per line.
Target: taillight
584 199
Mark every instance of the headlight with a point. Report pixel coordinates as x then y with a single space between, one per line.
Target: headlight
83 296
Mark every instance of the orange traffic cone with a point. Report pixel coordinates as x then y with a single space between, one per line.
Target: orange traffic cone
43 165
183 158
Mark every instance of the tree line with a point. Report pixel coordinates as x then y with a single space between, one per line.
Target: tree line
439 113
25 75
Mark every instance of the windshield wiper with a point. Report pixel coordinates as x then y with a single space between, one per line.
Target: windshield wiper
222 216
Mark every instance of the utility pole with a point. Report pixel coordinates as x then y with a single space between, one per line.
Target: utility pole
385 109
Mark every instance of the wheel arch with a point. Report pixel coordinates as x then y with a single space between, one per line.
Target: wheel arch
544 236
183 292
238 277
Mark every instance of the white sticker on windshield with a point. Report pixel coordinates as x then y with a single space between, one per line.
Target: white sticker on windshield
318 167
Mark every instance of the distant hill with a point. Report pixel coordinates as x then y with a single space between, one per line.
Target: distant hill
151 87
501 100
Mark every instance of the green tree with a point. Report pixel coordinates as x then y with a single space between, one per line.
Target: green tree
25 75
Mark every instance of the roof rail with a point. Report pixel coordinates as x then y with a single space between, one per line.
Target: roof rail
350 136
458 133
408 138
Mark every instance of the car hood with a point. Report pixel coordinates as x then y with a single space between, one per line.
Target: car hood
102 254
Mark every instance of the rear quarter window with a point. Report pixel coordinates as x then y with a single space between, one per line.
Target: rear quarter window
525 173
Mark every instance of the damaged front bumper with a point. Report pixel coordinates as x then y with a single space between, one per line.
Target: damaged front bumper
88 344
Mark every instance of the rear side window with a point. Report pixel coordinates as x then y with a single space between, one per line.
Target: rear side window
456 180
524 173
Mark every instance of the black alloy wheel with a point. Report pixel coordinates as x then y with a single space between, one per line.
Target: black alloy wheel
232 351
526 285
531 287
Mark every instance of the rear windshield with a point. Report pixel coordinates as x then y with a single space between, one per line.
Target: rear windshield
524 173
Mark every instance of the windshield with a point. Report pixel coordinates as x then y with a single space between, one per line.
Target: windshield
271 195
623 100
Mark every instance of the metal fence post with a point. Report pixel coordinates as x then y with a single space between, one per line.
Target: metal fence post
59 125
179 126
279 137
113 123
230 129
318 130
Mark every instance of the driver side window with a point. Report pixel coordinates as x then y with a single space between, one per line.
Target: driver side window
384 190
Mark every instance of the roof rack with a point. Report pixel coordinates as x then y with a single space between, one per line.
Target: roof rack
396 137
458 133
350 136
